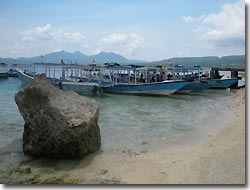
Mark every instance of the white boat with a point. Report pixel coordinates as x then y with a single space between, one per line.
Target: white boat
79 87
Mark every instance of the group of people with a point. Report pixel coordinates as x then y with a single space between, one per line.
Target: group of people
158 78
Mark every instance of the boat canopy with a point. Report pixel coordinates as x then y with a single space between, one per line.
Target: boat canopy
148 69
119 68
186 68
72 66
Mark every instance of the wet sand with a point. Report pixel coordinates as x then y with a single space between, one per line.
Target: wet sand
218 159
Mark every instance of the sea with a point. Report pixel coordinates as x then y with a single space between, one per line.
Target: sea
128 121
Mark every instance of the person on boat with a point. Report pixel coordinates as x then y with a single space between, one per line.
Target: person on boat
170 77
63 69
158 78
141 79
62 62
152 79
207 74
161 78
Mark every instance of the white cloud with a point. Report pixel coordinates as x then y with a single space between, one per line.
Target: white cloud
62 36
46 39
46 32
122 43
38 33
193 19
227 27
135 43
115 38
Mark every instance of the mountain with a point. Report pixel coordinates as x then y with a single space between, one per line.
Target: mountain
113 57
76 57
233 61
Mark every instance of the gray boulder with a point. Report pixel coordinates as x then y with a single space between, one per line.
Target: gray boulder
57 124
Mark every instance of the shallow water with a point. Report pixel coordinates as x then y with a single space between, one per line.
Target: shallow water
127 121
131 120
11 121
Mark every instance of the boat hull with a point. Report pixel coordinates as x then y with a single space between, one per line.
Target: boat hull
160 88
81 88
3 74
209 84
24 77
222 83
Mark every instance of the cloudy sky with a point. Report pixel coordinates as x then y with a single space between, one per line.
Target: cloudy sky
137 29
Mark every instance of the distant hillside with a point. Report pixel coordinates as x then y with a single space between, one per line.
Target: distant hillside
234 61
76 57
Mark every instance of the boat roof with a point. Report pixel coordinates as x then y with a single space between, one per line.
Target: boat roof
73 66
148 68
185 68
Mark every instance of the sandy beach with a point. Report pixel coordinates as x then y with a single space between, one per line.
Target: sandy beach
219 158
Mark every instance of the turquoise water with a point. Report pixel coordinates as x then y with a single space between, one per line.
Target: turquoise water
11 121
127 121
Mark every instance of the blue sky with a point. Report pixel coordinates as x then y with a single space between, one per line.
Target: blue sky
138 29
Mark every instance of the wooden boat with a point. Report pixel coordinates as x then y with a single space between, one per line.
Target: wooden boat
12 73
23 76
209 84
222 83
3 74
125 83
3 70
79 87
157 88
200 81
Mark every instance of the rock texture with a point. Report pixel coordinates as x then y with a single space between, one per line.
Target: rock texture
57 124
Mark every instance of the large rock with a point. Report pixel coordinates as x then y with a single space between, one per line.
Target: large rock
57 124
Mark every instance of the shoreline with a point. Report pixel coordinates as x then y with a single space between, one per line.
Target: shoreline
218 159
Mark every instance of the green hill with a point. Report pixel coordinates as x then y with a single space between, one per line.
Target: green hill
234 61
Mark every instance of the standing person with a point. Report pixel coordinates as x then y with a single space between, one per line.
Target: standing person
63 69
62 62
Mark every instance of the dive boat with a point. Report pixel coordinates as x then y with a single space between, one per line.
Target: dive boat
198 80
79 87
125 80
